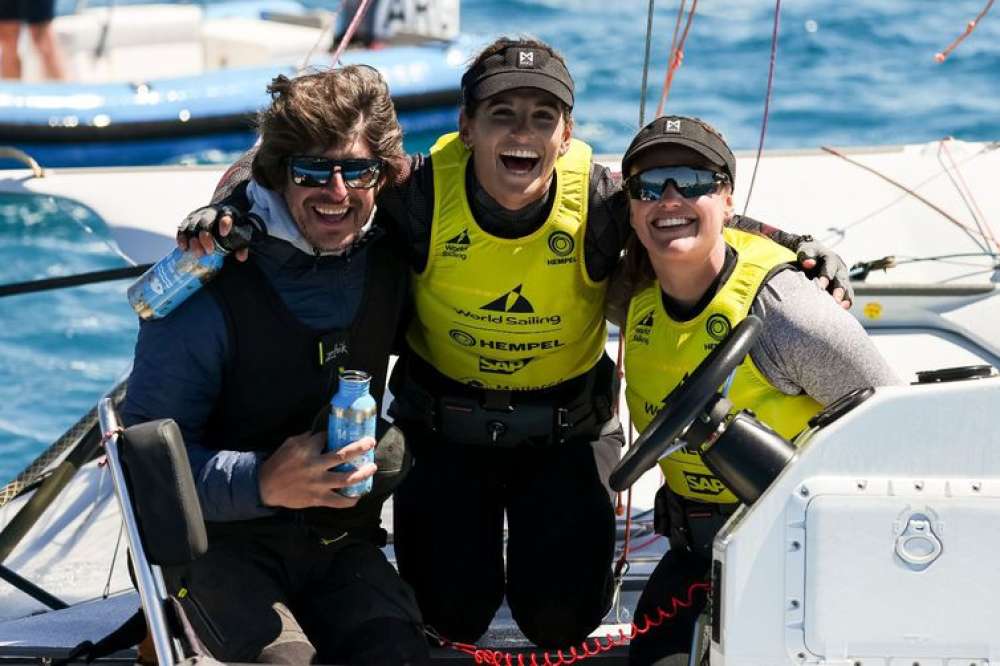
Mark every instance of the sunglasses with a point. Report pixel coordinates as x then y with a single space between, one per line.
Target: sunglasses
690 182
358 174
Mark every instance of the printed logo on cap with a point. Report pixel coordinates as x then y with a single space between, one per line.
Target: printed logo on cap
673 126
525 58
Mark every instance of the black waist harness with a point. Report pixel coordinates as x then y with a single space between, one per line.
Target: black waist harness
461 414
689 525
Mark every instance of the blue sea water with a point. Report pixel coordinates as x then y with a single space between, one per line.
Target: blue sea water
847 74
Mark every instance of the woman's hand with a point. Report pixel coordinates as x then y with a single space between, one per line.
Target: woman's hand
826 267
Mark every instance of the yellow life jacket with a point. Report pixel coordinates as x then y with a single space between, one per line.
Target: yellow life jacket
660 352
500 313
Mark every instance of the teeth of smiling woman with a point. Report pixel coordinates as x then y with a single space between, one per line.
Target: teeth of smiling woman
330 211
666 223
520 152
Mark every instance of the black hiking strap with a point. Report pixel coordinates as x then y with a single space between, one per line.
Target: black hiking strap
128 635
133 631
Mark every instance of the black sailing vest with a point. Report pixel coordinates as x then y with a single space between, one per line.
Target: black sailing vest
281 373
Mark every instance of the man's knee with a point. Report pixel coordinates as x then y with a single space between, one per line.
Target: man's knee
387 641
287 652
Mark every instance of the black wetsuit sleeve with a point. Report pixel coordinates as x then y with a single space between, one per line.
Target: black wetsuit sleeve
408 206
607 223
237 198
237 174
783 238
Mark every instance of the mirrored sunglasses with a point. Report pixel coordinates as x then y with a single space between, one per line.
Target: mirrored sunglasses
690 182
359 174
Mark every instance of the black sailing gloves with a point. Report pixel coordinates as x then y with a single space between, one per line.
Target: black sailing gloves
825 266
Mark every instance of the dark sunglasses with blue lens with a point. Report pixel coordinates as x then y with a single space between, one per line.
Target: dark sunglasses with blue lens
358 174
690 182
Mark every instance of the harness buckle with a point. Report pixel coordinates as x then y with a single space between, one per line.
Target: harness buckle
497 401
496 430
562 419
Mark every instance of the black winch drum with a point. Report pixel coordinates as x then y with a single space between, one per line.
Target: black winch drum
748 456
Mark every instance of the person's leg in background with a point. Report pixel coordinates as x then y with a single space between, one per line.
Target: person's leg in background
10 30
39 19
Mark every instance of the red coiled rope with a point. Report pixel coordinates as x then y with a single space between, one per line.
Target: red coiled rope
589 648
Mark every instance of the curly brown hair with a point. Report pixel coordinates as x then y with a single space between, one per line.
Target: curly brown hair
320 110
469 105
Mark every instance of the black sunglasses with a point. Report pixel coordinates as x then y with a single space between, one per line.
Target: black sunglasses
358 174
690 182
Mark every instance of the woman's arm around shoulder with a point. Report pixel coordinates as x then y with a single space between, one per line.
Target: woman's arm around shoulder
811 345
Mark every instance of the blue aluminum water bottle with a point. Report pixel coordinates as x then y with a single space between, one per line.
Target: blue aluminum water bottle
353 413
171 280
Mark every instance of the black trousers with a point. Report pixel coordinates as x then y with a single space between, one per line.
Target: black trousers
670 642
282 592
692 527
449 518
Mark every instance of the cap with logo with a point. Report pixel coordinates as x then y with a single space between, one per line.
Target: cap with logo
518 66
681 131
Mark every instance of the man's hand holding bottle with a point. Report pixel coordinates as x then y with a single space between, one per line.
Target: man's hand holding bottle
300 474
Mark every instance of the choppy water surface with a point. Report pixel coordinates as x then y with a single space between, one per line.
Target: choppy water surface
848 74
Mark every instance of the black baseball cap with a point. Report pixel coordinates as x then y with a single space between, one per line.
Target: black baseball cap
518 66
682 131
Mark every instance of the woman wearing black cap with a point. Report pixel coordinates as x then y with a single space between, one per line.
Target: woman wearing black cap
504 391
503 388
690 279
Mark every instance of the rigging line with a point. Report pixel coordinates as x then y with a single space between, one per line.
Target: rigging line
767 100
328 23
645 63
94 277
963 276
968 197
915 195
676 55
351 29
947 259
840 231
941 56
114 559
673 40
961 195
668 75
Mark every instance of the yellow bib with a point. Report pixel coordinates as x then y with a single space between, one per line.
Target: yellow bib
516 314
660 352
